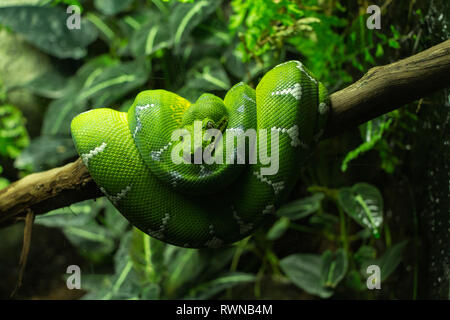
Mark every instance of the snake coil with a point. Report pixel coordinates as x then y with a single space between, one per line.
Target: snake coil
215 193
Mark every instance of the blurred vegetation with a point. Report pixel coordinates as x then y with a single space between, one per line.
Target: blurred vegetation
369 196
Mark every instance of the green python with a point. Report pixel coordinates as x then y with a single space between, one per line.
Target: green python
199 201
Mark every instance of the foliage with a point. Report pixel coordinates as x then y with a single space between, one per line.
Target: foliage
340 219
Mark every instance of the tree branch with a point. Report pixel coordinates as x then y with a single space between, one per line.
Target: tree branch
379 91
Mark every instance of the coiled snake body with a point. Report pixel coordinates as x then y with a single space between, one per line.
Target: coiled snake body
195 202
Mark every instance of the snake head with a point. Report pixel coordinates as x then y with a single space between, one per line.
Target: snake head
200 135
204 122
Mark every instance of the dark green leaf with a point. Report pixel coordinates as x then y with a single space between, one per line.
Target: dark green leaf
151 37
305 271
364 203
45 27
184 17
76 215
112 7
334 267
278 229
209 289
46 152
302 207
388 262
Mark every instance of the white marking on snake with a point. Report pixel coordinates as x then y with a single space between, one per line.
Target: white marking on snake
241 109
159 234
300 67
277 186
204 172
118 196
295 91
243 227
269 209
87 156
175 177
138 118
214 242
156 155
248 98
293 134
323 108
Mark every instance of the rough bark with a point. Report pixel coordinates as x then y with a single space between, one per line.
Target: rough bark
379 91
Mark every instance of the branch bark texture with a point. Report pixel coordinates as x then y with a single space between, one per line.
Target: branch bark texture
380 90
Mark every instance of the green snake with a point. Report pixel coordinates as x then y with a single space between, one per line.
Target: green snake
205 174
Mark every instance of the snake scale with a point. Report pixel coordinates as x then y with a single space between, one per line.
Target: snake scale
214 192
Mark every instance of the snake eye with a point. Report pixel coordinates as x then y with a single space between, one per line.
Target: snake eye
181 138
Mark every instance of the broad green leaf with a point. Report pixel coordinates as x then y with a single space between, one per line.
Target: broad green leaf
112 7
45 28
388 262
98 84
49 85
46 152
364 203
92 239
209 289
208 74
183 266
302 207
184 17
10 3
334 267
305 271
114 220
146 253
151 37
76 215
278 229
365 253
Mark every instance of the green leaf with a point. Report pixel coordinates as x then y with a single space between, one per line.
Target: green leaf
365 253
305 272
45 152
278 229
4 183
45 27
13 134
151 37
371 133
183 266
146 253
388 262
76 215
184 17
208 74
364 203
94 240
334 267
112 7
209 289
301 208
114 220
49 85
99 83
